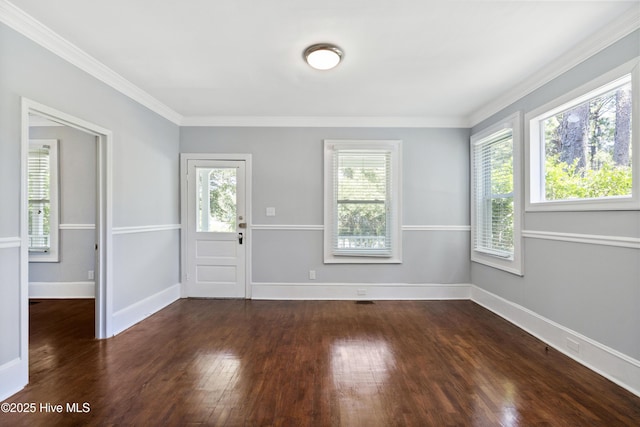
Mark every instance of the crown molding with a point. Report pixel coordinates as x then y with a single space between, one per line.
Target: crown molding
33 29
326 121
611 33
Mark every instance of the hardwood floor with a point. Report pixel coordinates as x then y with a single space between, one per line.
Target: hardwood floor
308 363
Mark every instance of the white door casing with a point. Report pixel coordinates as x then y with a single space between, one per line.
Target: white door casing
15 374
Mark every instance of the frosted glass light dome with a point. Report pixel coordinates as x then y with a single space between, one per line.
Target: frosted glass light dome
323 56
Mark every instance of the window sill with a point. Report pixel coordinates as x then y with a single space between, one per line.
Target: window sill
510 266
43 257
608 204
361 260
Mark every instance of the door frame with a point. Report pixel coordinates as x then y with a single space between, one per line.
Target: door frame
184 216
104 222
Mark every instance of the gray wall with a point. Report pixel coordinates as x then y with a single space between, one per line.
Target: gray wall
145 174
591 289
77 171
288 175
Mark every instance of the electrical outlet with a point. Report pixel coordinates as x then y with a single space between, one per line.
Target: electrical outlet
271 212
361 292
312 275
90 275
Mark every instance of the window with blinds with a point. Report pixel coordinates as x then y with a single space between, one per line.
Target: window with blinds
42 200
362 182
362 200
494 194
496 200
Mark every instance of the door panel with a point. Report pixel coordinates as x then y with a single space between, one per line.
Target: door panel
216 253
219 248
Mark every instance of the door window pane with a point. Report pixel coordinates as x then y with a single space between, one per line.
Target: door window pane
216 200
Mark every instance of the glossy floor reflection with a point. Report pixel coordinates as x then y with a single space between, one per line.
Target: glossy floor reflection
309 363
360 369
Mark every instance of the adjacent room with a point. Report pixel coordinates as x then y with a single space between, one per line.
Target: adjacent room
336 213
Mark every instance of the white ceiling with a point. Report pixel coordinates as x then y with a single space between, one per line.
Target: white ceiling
441 60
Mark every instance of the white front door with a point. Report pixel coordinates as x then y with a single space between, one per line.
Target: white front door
216 229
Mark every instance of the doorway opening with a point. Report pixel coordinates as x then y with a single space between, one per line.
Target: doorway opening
99 277
61 194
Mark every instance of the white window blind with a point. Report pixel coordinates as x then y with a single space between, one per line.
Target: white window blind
493 194
362 203
42 199
39 188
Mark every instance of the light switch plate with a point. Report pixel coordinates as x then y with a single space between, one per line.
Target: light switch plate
271 211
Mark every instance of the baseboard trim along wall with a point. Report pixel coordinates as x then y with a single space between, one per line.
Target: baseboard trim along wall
611 364
359 291
13 377
69 290
129 316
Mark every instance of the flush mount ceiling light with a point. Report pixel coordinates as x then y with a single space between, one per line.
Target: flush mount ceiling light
323 56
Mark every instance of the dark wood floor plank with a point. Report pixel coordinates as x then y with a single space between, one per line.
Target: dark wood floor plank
309 363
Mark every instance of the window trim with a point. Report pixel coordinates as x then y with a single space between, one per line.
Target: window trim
514 263
53 255
395 148
534 162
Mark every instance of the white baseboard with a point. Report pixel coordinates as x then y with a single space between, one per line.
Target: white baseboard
359 291
129 316
62 290
14 376
611 364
